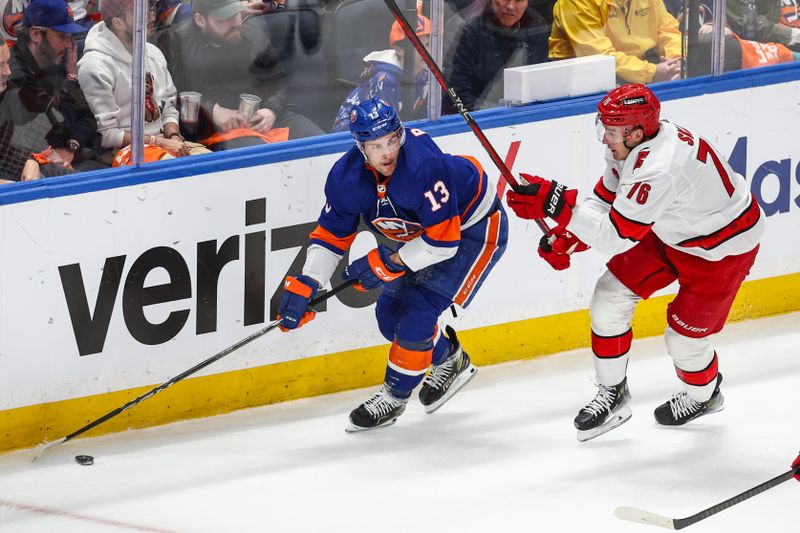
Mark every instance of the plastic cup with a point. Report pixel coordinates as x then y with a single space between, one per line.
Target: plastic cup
248 105
190 106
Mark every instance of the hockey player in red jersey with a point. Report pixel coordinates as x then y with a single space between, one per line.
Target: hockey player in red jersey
668 207
451 229
796 466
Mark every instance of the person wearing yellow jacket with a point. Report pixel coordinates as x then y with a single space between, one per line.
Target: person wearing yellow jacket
641 34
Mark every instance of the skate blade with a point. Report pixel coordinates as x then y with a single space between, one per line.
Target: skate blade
352 428
457 385
619 418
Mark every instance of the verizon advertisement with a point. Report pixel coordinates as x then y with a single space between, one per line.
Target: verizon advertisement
127 287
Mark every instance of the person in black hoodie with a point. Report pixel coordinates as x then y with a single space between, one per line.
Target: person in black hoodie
44 83
509 33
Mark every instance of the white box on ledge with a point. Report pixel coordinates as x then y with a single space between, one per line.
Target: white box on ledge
558 79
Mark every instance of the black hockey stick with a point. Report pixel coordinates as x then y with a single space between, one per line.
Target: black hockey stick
437 73
638 515
187 373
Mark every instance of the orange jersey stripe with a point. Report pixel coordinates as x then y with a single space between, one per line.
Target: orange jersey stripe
482 263
446 231
342 243
411 360
479 168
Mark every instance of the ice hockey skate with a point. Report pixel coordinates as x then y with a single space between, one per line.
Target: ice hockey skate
609 409
379 411
444 380
682 408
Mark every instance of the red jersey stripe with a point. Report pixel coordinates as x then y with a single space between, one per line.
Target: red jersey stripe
627 228
604 193
739 225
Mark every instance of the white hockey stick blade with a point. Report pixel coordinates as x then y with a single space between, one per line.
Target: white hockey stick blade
43 448
633 514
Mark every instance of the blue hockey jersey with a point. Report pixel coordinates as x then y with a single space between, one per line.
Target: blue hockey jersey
425 205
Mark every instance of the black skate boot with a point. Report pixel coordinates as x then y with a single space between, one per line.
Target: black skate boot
379 411
445 379
609 409
682 408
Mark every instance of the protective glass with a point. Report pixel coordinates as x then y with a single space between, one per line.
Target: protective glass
609 134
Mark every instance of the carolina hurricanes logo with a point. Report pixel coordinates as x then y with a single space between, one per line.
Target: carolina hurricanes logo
398 229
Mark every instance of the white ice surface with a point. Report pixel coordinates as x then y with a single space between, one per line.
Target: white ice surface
501 456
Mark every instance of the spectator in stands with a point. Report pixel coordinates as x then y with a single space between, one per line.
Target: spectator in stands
105 74
773 21
739 52
383 75
16 163
169 12
641 35
213 55
508 33
12 17
44 82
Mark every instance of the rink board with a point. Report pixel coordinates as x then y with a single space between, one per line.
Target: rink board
111 287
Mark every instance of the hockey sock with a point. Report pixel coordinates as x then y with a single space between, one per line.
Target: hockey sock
695 363
442 348
700 384
611 357
408 362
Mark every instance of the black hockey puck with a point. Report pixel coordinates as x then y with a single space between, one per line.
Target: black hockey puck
85 460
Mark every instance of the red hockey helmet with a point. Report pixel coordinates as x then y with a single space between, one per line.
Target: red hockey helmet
630 106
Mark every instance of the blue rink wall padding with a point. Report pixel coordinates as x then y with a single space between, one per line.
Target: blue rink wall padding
340 142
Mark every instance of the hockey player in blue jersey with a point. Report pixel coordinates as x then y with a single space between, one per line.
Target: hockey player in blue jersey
451 230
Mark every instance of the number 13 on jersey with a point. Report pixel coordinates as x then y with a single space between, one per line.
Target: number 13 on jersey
443 194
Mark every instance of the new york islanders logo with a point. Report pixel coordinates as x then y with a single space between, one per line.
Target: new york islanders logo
12 15
398 229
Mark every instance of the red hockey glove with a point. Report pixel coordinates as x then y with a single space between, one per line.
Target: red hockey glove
542 198
373 269
293 310
796 466
561 245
